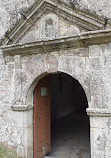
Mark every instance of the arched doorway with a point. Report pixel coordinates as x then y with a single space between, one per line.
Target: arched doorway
61 125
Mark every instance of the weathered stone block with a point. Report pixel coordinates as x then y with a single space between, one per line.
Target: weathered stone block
35 66
51 62
95 64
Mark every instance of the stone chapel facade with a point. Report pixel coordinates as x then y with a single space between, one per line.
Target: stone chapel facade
54 36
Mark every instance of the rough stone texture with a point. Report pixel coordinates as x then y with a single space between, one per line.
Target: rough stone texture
11 10
88 68
57 27
100 71
100 132
19 74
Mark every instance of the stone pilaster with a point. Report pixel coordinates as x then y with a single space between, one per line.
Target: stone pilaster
17 98
100 132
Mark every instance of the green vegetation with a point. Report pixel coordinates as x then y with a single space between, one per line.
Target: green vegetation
7 153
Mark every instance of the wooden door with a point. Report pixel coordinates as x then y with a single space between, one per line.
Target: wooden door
42 135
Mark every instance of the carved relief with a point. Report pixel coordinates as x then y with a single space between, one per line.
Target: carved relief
68 29
49 27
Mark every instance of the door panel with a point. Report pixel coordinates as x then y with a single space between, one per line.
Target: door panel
42 135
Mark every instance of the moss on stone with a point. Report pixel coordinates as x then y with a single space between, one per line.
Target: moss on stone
7 153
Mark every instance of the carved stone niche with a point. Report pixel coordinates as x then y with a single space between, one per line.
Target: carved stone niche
49 27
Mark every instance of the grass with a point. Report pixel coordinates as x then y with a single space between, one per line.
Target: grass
7 153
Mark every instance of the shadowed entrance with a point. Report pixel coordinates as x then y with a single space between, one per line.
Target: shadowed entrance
69 121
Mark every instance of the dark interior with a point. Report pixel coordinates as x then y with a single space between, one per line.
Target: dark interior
69 121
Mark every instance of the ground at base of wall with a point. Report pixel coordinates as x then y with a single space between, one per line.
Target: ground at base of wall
70 136
7 153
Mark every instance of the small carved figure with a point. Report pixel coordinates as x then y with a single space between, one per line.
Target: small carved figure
49 28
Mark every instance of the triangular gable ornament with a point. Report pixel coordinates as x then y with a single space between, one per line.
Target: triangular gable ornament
52 19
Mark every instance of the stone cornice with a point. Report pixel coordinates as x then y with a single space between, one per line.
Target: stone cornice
79 40
21 107
104 112
81 19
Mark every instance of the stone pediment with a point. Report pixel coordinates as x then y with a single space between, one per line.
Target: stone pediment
51 19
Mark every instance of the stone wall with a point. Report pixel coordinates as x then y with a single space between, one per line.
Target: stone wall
100 87
13 125
91 67
20 73
100 59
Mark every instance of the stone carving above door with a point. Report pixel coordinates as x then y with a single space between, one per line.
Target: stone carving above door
49 19
49 27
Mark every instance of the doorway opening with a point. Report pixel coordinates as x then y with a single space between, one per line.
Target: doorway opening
66 132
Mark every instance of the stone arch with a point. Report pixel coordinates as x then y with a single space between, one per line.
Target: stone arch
41 65
38 98
35 68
